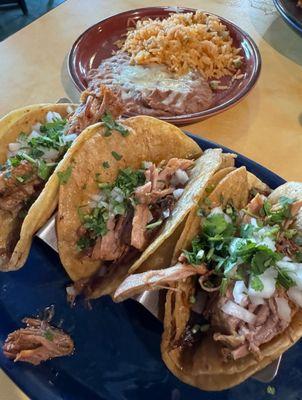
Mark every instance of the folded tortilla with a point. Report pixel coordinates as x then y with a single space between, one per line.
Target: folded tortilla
21 232
149 140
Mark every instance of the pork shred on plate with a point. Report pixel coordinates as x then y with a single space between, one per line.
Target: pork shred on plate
38 341
124 216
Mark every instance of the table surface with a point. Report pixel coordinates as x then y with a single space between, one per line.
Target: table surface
266 126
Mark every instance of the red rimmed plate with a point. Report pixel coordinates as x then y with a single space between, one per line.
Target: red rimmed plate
98 42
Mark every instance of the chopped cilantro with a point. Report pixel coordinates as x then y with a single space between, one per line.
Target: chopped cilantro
48 334
116 155
271 390
113 125
106 165
83 243
256 283
283 278
278 213
154 224
64 175
44 170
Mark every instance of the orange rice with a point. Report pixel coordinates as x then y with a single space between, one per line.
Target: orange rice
183 42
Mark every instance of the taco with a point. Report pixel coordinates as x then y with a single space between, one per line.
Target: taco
235 285
125 200
34 141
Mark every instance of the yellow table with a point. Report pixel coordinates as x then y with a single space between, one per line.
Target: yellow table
266 126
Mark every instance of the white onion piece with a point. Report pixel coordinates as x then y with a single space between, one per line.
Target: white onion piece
49 154
70 290
166 213
239 292
268 279
256 301
147 164
200 302
254 222
239 312
284 310
181 177
14 147
33 134
295 295
51 116
69 138
37 127
177 193
117 195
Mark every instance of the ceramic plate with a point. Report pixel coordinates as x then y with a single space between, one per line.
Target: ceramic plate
98 42
117 346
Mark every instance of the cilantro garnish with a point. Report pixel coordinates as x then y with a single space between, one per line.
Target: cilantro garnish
48 334
106 165
116 155
278 213
112 125
256 283
64 175
271 390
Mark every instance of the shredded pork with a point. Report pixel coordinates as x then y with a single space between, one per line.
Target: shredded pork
38 342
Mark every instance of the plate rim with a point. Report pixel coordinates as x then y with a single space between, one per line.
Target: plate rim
290 19
187 118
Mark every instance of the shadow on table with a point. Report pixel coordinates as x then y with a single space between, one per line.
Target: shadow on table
282 38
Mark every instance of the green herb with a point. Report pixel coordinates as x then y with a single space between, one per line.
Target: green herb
128 180
290 233
207 201
154 224
106 164
284 279
278 213
44 170
224 285
20 179
64 175
256 283
271 390
116 155
298 257
209 189
48 334
83 243
112 124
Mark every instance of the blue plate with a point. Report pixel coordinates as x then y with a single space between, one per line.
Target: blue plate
117 353
291 14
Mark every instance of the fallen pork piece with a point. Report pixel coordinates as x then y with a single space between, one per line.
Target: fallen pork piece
38 342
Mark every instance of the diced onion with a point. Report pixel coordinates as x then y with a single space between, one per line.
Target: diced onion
14 147
239 312
147 164
239 292
177 193
180 177
69 138
49 154
268 278
294 270
33 134
284 310
51 116
166 213
70 290
295 295
37 127
117 195
256 301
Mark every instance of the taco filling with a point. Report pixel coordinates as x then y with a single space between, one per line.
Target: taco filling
34 155
246 269
123 217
